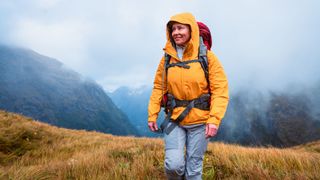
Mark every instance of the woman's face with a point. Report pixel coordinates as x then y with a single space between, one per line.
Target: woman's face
180 33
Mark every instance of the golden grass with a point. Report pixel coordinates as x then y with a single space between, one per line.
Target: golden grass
231 161
34 150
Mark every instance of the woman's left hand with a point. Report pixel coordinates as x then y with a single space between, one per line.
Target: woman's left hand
211 130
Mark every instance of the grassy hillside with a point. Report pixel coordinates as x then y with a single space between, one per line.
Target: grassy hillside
34 150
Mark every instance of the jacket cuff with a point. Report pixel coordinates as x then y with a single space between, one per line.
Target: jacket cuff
152 118
213 120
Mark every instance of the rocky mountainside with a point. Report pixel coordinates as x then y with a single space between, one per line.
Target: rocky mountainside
44 89
278 119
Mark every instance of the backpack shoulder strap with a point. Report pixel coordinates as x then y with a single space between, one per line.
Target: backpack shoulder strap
204 59
166 61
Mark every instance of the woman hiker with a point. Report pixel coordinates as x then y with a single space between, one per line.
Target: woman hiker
192 86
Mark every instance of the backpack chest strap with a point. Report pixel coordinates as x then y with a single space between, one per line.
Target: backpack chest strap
183 64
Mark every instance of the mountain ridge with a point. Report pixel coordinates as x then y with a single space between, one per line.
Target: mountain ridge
43 88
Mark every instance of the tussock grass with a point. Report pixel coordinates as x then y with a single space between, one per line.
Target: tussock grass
231 161
34 150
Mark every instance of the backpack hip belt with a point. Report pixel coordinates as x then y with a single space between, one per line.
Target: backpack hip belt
203 103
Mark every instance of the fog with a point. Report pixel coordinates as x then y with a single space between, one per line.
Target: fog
265 45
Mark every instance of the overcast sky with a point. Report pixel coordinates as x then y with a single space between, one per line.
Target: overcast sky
265 44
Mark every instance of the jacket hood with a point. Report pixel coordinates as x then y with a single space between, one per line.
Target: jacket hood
192 47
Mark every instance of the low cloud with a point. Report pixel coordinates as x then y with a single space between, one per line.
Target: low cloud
265 44
65 41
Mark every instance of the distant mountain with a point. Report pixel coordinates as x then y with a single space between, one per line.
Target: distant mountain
134 102
277 118
44 89
253 118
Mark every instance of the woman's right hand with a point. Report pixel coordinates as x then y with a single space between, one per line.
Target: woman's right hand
211 130
153 126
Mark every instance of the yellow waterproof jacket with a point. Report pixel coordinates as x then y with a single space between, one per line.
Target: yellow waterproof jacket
188 84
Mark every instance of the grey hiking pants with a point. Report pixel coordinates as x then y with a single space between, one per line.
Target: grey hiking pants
179 164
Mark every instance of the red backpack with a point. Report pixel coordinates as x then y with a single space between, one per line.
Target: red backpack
205 34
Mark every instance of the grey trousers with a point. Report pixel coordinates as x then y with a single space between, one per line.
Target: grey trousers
180 163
